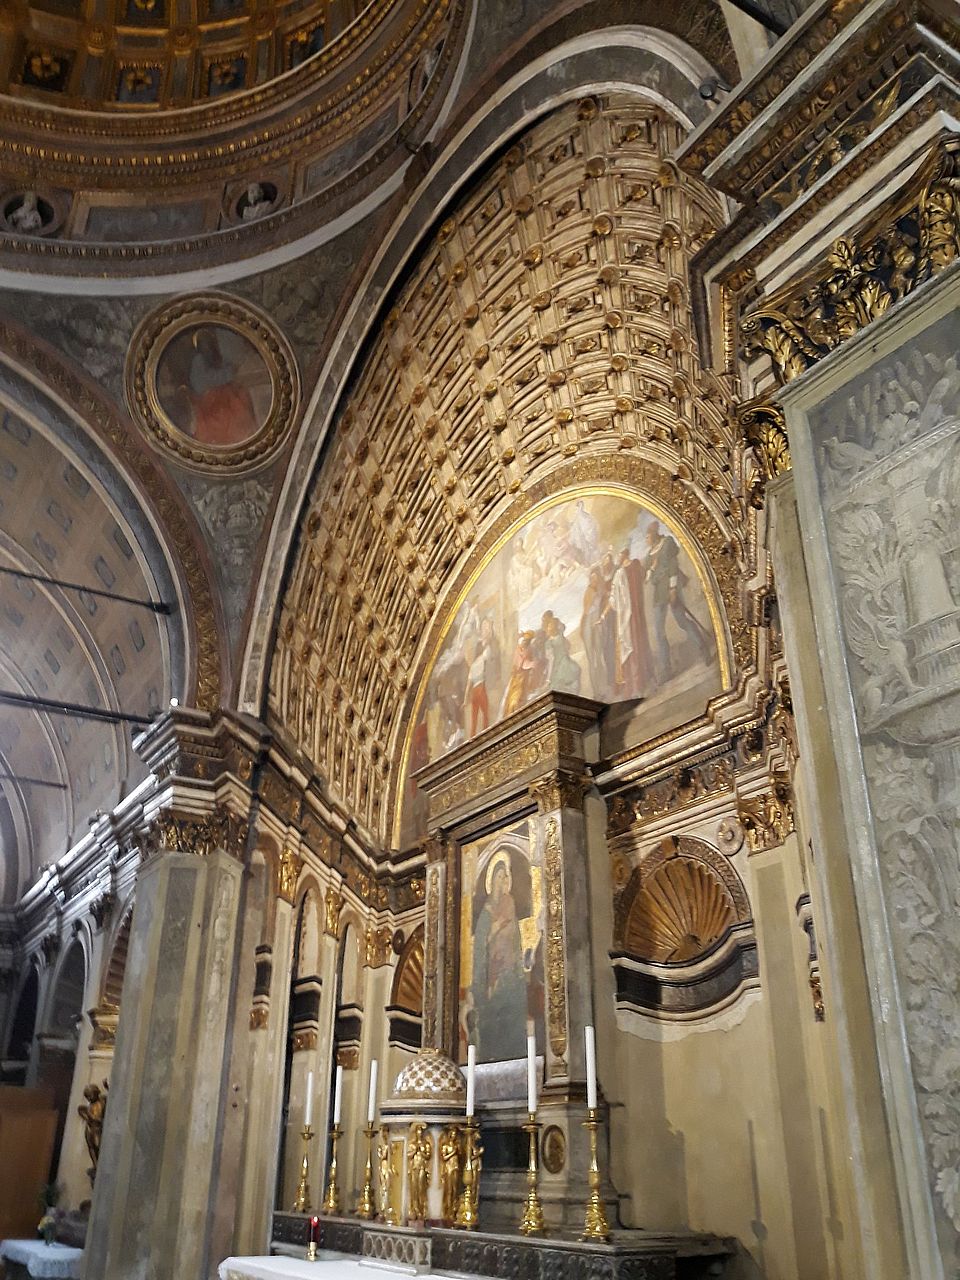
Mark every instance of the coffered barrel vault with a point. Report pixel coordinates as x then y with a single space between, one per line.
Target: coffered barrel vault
545 340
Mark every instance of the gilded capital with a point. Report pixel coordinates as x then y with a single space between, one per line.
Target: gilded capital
559 790
768 818
198 834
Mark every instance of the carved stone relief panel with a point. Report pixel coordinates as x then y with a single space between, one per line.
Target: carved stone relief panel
887 450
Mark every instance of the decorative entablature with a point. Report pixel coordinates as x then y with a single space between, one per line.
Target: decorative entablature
121 192
841 151
534 757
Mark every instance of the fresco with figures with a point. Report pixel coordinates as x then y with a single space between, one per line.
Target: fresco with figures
501 946
593 594
213 385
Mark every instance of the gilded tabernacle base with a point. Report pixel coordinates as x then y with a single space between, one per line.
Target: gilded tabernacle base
630 1255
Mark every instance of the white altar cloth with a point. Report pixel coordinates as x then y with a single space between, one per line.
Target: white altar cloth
329 1266
43 1260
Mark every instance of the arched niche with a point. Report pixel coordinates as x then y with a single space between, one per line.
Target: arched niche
308 936
684 941
405 1010
22 1028
65 1005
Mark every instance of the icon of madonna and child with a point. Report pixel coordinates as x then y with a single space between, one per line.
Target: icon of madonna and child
501 961
593 596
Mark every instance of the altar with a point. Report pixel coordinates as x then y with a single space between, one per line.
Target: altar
35 1258
328 1266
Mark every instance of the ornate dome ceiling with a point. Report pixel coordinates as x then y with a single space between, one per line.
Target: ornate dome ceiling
139 131
130 55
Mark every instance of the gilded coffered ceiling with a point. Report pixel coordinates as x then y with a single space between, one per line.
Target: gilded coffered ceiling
545 341
136 55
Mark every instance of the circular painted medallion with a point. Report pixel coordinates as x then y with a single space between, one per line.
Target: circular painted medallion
213 382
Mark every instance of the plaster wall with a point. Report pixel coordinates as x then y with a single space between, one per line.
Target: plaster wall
728 1128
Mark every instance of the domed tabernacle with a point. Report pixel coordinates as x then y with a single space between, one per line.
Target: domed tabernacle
431 1078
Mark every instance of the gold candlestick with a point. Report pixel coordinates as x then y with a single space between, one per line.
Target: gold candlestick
331 1201
467 1210
532 1222
365 1205
595 1225
302 1203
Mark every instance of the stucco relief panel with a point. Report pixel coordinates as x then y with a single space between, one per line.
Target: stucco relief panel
889 454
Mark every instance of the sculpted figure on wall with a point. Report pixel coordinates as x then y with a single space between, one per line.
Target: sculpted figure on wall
419 1157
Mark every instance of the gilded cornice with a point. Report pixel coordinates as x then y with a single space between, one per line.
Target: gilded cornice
93 149
190 47
865 273
783 127
100 416
205 171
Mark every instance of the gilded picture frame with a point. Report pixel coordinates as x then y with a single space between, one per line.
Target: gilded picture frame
213 382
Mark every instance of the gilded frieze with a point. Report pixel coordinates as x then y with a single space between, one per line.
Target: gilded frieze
862 277
544 343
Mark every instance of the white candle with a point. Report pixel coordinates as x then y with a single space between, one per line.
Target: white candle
337 1094
471 1079
372 1096
531 1074
308 1109
590 1045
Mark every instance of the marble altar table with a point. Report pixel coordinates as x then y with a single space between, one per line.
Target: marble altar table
34 1258
329 1266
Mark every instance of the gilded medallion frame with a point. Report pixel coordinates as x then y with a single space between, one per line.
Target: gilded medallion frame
152 340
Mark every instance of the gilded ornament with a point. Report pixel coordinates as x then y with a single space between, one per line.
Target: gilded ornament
332 906
92 1112
863 276
450 1161
559 790
217 832
419 1158
259 1017
288 874
768 818
556 970
306 1040
378 945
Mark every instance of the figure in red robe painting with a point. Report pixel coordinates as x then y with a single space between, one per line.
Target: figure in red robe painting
212 391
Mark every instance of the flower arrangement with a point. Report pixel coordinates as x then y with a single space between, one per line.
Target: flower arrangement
50 1219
